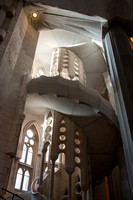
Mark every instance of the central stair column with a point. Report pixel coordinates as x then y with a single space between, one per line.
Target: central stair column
44 150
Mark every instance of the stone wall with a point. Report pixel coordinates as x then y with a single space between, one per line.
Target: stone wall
15 63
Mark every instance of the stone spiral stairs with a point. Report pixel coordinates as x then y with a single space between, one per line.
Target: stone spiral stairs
92 114
89 111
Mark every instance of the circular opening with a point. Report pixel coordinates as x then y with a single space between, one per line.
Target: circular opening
62 137
32 142
77 160
77 150
77 141
62 129
62 146
30 133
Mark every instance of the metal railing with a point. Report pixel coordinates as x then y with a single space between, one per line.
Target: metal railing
2 198
13 195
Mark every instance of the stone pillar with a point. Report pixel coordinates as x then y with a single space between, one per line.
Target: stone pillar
16 58
120 60
44 150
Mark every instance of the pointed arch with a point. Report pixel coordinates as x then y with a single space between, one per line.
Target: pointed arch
29 155
19 178
26 180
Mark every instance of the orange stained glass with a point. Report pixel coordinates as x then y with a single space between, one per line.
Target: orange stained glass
107 187
131 42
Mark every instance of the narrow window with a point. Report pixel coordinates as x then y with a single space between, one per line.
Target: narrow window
26 180
47 154
23 154
19 179
29 156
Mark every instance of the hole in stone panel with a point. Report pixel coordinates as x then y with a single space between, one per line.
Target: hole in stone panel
76 63
77 73
62 137
63 129
48 129
77 141
62 146
76 68
66 56
65 60
63 122
65 65
77 133
49 120
77 160
77 150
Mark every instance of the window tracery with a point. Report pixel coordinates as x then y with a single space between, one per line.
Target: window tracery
22 179
25 166
27 153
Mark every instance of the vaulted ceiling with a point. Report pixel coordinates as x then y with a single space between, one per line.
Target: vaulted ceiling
80 33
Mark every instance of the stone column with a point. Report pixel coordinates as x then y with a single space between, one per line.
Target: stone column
44 150
120 60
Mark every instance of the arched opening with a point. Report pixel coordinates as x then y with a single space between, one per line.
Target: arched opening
28 158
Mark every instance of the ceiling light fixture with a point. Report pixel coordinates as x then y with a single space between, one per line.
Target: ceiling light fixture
35 15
